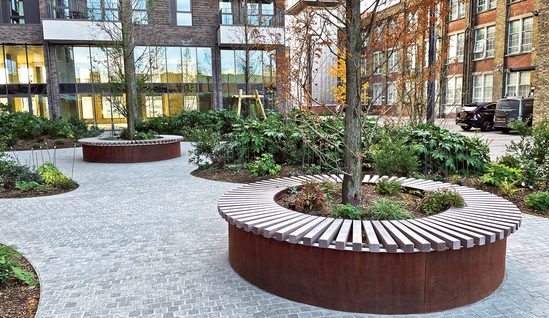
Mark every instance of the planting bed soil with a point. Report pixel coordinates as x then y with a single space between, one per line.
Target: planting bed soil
45 143
369 196
17 299
16 193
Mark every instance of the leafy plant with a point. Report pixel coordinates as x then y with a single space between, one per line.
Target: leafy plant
36 145
509 161
394 157
508 189
440 200
28 186
538 200
311 197
347 211
9 264
264 165
314 169
59 142
386 186
385 209
52 176
496 173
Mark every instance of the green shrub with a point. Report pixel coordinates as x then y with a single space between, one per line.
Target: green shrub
311 197
496 173
209 149
394 157
25 186
264 165
53 177
384 209
386 186
9 265
538 200
59 142
509 161
347 211
440 200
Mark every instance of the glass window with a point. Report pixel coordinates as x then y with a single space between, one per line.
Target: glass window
457 9
111 105
82 64
392 61
16 64
378 62
190 102
226 11
524 84
228 70
183 12
65 64
453 90
139 12
456 48
204 59
154 106
100 67
189 65
174 65
256 67
111 10
518 84
484 42
206 102
3 68
482 88
483 5
158 64
527 30
17 12
392 94
520 36
40 106
37 67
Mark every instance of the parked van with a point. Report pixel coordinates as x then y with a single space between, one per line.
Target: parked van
513 108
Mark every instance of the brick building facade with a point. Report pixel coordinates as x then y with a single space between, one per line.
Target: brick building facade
53 59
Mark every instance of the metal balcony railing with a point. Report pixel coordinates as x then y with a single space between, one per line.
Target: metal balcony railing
265 18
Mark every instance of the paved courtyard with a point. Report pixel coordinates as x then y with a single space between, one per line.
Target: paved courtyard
145 240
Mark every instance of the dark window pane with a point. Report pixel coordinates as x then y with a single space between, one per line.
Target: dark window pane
67 88
18 89
84 88
65 64
40 89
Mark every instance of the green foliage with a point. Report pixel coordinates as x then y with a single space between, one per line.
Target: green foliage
386 186
508 189
60 142
509 161
311 197
6 108
52 176
314 169
440 200
532 150
36 145
209 149
10 172
347 211
385 209
151 134
440 150
264 165
538 200
25 186
394 157
9 265
497 173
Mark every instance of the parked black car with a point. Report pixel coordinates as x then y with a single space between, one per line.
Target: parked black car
480 115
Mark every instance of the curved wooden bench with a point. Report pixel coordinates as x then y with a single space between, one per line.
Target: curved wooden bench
387 267
131 151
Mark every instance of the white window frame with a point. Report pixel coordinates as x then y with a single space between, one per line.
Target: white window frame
520 47
456 48
521 80
378 63
392 93
482 87
480 50
485 5
392 61
453 96
377 94
457 9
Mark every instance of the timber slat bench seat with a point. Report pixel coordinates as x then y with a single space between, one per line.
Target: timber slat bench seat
384 267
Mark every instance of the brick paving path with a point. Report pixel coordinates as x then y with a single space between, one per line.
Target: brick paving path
145 240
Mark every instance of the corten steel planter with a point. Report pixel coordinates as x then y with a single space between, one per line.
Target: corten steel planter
131 151
382 267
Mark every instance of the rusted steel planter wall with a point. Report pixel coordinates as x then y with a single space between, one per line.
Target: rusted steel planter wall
284 255
112 151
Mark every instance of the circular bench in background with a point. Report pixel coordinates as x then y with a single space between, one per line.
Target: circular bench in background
131 151
421 265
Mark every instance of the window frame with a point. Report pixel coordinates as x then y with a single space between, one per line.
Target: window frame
483 88
455 89
488 5
459 5
485 42
517 85
174 12
456 52
519 47
378 63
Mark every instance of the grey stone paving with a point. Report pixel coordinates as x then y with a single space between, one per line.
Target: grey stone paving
145 240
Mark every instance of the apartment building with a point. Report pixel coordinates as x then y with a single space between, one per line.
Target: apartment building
486 50
54 56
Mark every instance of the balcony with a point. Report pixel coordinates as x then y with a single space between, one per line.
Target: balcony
74 22
294 7
259 30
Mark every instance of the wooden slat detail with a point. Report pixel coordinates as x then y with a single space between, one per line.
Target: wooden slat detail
366 178
329 235
437 243
452 242
270 231
478 239
312 237
258 228
343 235
299 232
499 234
419 242
403 242
489 236
248 225
241 221
385 238
371 237
482 218
357 235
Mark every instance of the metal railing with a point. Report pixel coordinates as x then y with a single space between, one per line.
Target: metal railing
231 17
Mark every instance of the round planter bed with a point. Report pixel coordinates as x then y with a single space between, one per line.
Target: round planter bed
131 151
422 265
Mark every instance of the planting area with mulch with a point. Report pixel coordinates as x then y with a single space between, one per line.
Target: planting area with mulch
17 299
16 193
44 142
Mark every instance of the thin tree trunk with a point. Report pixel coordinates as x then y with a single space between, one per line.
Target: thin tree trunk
352 160
130 81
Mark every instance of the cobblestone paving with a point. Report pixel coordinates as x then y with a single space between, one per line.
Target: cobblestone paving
145 240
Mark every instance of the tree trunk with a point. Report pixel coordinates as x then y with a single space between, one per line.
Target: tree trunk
130 81
352 160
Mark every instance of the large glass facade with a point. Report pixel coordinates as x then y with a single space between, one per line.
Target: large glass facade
170 80
258 66
23 77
